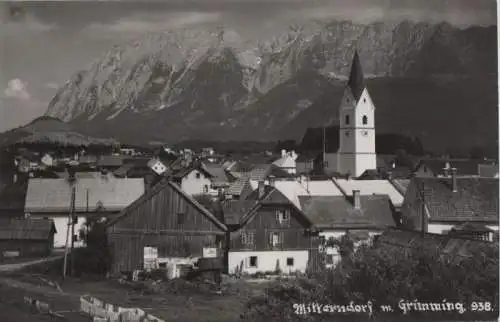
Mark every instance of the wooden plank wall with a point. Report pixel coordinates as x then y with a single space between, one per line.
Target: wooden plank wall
156 223
265 223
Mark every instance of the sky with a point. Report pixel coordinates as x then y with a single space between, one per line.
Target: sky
43 43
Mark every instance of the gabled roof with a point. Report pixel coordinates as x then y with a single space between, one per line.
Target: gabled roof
476 199
92 194
219 175
272 196
26 229
331 212
356 78
109 161
165 182
307 156
293 189
371 187
235 210
192 167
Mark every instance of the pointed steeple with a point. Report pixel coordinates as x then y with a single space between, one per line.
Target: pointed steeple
356 79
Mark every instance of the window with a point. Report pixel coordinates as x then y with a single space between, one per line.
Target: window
282 217
289 261
247 238
180 218
205 188
347 120
347 133
275 239
253 261
198 175
365 120
329 259
364 100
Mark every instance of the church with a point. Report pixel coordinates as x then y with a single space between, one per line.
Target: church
356 149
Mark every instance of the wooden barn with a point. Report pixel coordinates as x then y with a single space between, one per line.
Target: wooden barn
171 222
26 237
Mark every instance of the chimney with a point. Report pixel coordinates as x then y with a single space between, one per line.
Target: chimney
357 200
454 179
261 189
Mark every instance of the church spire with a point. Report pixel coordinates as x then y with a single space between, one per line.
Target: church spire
356 79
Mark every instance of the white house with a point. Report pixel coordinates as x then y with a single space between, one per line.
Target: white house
287 161
194 180
103 196
356 152
267 234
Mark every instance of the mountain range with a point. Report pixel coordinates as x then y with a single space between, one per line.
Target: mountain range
431 81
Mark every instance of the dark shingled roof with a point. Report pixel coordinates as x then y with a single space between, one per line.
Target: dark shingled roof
356 79
235 210
476 199
453 247
464 167
32 229
109 161
338 211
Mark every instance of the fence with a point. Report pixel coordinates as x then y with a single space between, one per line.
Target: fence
106 312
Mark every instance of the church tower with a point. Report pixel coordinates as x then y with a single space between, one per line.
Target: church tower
356 152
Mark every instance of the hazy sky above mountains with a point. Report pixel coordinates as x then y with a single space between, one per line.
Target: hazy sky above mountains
43 43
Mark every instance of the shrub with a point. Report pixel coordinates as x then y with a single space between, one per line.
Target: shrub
384 277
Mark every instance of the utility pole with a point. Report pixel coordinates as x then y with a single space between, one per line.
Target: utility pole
71 180
73 219
423 216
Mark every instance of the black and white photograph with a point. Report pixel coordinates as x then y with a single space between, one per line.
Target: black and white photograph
249 160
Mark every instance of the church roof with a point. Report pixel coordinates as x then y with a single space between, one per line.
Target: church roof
356 79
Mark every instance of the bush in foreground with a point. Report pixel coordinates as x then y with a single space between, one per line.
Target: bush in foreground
385 277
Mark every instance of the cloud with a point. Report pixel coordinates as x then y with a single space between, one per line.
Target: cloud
52 85
152 22
17 89
22 23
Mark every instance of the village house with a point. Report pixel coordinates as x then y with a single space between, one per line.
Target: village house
287 161
96 197
194 179
463 205
109 162
167 222
267 234
21 237
308 162
362 216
